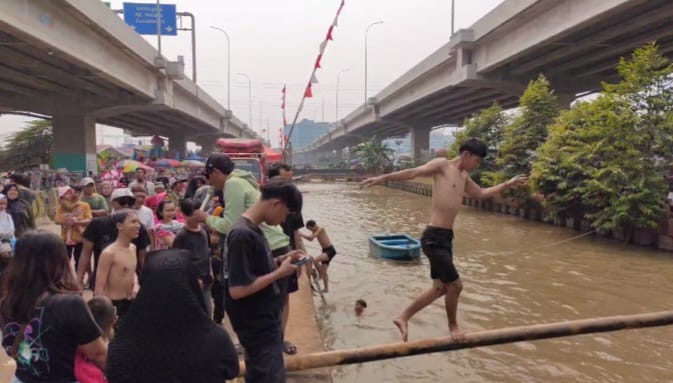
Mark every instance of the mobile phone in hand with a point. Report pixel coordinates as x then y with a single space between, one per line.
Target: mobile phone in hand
300 261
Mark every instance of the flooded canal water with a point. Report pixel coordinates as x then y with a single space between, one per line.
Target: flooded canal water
514 272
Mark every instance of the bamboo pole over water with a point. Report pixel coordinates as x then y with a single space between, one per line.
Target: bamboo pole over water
477 339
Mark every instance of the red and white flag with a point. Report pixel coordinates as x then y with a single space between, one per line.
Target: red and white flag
282 105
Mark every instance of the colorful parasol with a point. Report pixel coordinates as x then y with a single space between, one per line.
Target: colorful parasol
165 163
128 166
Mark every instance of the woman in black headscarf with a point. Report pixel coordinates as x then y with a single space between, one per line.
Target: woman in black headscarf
19 209
167 335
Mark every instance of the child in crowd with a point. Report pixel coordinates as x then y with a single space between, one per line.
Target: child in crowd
69 213
217 263
322 261
6 233
194 237
167 227
73 215
116 276
105 315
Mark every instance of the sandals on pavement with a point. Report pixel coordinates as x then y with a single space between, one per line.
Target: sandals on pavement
289 348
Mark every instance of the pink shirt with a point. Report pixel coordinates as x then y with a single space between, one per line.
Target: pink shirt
86 371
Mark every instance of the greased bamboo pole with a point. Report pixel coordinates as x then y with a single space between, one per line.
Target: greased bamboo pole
477 339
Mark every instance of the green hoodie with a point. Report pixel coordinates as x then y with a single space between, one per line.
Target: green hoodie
240 192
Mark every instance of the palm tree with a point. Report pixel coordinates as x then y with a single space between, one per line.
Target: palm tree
374 154
30 146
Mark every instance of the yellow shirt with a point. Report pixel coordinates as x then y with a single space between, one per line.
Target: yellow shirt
80 212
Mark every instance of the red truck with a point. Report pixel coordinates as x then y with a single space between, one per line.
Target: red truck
247 154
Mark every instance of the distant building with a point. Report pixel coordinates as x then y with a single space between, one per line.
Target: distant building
306 132
441 138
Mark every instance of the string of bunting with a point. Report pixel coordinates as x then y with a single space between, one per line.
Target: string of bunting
313 79
283 138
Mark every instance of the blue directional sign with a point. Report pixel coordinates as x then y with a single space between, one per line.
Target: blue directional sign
143 18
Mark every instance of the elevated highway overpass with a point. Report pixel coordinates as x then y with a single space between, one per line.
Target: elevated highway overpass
77 61
576 44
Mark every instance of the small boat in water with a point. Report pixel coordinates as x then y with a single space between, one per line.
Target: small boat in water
394 246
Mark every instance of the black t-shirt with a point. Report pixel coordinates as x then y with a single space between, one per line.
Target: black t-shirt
102 232
198 244
293 222
248 258
60 323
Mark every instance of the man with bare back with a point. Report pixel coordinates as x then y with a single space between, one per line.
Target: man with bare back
450 182
116 276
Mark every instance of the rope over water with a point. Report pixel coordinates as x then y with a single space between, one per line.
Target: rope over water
476 339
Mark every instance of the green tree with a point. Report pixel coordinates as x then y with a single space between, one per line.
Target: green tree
32 145
525 133
608 158
374 154
487 125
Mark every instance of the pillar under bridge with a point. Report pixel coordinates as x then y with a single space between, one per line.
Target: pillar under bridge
177 144
75 143
420 143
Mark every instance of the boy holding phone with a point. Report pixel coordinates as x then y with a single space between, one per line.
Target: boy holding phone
253 297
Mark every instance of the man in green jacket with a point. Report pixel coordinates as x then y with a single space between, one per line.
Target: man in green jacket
240 192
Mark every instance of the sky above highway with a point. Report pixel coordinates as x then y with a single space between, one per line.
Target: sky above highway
275 42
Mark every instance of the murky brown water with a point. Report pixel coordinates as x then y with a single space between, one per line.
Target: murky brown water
511 277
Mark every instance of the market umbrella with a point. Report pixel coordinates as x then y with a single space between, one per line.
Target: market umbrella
123 164
133 167
165 163
193 164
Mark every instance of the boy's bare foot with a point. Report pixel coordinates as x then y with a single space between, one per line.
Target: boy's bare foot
325 290
402 326
457 334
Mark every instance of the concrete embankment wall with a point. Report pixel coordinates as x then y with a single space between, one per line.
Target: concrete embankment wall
661 237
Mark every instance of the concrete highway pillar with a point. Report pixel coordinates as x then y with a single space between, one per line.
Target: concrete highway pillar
75 143
178 146
564 100
420 144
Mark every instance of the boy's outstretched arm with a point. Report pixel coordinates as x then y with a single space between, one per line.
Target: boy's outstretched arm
427 170
473 190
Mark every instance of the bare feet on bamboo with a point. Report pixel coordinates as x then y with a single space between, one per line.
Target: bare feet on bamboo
457 334
402 326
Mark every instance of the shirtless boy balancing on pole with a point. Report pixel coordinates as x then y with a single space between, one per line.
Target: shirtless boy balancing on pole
450 182
116 275
328 252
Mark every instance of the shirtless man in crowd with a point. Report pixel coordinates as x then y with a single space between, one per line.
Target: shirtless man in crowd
116 277
450 181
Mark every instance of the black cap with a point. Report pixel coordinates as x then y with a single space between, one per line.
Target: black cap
219 161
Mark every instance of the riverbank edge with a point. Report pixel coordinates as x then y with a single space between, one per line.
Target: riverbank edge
661 237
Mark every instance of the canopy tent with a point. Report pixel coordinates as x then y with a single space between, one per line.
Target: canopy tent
272 155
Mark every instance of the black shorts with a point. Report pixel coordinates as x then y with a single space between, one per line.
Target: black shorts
123 306
330 251
437 244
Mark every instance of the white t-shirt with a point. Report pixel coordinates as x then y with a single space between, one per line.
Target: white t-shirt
146 217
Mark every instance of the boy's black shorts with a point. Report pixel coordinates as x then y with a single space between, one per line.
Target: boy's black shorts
330 251
437 244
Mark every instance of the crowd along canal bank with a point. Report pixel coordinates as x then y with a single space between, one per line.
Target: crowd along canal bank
661 237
